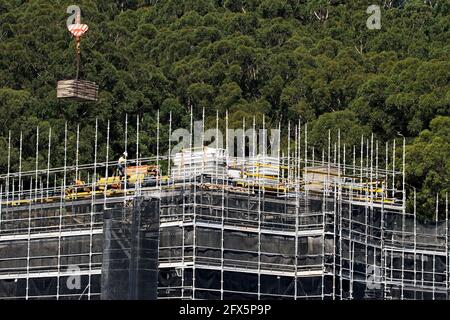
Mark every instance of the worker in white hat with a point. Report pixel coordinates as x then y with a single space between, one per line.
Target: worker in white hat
121 163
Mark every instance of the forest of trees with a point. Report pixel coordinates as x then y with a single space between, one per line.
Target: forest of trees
287 59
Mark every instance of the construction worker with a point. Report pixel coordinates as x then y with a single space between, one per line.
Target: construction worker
121 164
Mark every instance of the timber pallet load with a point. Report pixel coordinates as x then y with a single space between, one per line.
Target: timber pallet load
77 90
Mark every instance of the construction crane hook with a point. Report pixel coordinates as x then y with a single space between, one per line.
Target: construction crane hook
78 30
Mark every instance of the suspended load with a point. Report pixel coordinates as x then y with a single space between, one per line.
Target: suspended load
76 89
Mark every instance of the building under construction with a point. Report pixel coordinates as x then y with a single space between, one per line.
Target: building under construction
214 226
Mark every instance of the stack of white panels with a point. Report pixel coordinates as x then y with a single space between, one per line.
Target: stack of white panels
196 161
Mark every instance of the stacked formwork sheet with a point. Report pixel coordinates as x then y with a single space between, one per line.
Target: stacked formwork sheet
193 162
321 177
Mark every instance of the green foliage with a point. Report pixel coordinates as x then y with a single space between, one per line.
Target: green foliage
344 122
428 166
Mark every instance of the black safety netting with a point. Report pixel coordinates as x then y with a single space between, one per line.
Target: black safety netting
253 234
130 254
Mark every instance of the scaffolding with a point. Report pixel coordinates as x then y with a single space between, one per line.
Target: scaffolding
294 226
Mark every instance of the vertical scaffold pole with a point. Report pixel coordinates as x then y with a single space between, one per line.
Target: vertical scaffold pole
243 145
382 256
222 242
299 148
279 158
20 163
344 163
289 155
386 173
27 292
191 146
352 264
62 192
107 165
1 202
437 211
325 195
350 206
415 244
42 189
77 152
335 155
335 222
404 177
354 164
157 149
184 173
61 210
323 156
371 174
436 239
297 211
217 148
446 248
366 211
126 161
423 272
393 170
306 151
254 138
329 157
93 208
403 215
340 213
169 162
204 154
313 152
9 167
59 247
194 219
298 187
362 164
264 138
65 161
367 171
13 191
297 157
259 226
226 133
376 169
137 185
48 159
222 227
36 165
